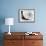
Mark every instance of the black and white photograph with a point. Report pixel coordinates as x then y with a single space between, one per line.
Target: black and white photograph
26 15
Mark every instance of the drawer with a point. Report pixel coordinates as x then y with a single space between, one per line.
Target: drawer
33 43
13 43
16 37
33 37
37 43
9 43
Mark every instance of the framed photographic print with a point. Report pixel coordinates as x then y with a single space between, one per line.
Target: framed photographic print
26 15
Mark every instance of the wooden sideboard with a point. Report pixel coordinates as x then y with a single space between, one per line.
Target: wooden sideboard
20 39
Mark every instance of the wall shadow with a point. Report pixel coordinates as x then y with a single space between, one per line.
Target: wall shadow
2 21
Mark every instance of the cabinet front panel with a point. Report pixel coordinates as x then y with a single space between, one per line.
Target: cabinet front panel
9 42
13 43
33 43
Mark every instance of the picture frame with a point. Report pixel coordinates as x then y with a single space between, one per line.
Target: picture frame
26 15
